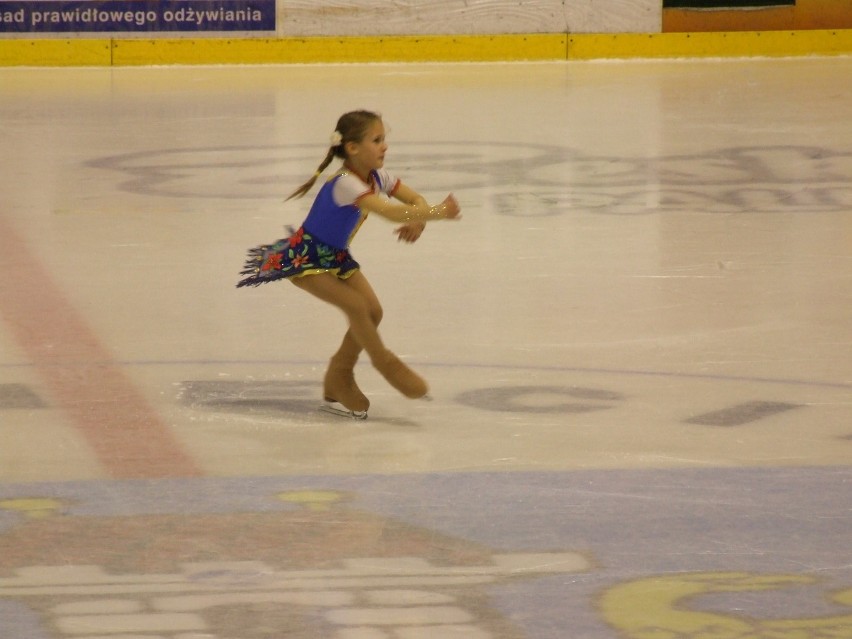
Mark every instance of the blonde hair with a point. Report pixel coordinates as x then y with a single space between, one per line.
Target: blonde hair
352 127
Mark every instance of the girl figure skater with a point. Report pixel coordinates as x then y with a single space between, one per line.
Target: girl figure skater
316 257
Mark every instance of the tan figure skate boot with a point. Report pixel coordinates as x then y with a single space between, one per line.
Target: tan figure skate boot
402 378
339 387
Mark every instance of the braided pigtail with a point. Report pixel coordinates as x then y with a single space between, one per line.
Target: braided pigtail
351 127
307 186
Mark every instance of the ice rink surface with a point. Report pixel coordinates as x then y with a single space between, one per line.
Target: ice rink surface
638 340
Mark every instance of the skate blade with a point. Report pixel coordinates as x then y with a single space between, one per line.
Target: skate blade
341 411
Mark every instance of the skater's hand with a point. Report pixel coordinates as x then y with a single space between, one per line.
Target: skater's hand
450 207
410 232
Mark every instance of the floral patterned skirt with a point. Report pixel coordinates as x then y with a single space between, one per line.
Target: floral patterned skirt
300 254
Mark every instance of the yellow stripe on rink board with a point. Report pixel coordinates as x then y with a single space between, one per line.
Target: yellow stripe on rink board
341 49
55 53
446 48
719 44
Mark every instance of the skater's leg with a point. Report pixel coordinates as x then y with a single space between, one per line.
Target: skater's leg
350 348
356 298
338 384
359 307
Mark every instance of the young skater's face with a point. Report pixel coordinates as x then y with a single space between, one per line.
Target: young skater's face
369 154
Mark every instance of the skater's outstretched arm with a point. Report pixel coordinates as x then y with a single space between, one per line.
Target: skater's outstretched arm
415 211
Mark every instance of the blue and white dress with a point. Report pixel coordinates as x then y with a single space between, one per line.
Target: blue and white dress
321 244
